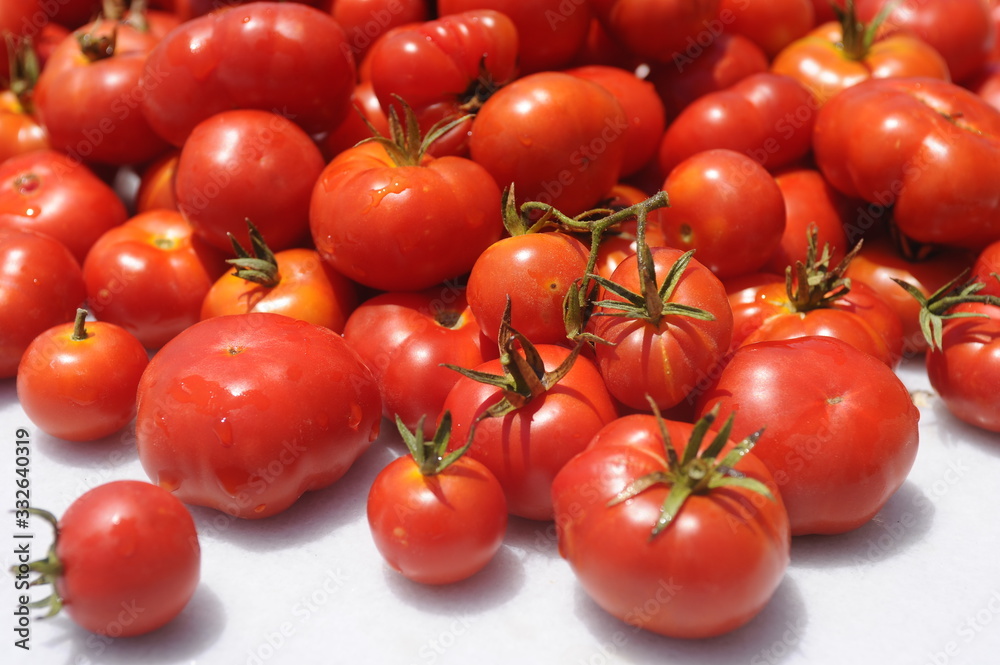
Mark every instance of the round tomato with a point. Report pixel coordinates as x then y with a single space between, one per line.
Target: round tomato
659 30
20 131
810 203
364 20
771 25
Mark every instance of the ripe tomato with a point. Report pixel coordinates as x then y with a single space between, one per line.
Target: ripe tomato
157 183
49 192
659 30
771 25
41 286
841 430
20 131
364 20
244 413
662 578
78 381
150 276
248 164
556 137
129 559
434 517
810 202
986 263
353 129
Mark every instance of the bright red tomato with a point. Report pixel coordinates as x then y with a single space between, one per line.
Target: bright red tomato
78 381
353 129
660 30
244 413
841 430
364 20
771 25
20 131
987 263
157 184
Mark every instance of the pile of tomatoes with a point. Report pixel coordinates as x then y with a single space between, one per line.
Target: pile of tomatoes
641 269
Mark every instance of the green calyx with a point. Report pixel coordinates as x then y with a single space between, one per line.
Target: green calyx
432 457
694 473
24 68
934 308
405 144
815 284
49 569
257 265
858 37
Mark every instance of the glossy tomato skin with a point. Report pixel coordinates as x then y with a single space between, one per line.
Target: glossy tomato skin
658 31
900 141
668 584
404 337
41 286
397 227
536 271
441 528
157 183
526 448
81 390
771 25
127 544
214 63
558 138
244 413
727 207
668 360
20 131
150 276
841 430
49 192
987 262
364 20
248 164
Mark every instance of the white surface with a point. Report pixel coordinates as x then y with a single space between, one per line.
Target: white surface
920 585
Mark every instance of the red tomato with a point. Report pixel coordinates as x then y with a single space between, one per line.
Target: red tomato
659 30
248 164
157 184
78 381
20 132
436 520
48 192
405 337
841 430
364 20
245 413
987 263
353 128
128 559
556 137
219 62
771 25
665 582
150 276
728 207
768 117
40 286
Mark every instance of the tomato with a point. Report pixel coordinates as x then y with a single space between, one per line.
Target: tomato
150 276
986 263
127 559
768 117
49 192
707 571
771 25
281 57
620 241
841 430
728 207
244 413
248 164
556 137
390 219
659 30
900 141
78 381
156 183
837 55
353 129
662 353
550 32
642 106
406 337
41 286
435 518
89 92
364 20
20 132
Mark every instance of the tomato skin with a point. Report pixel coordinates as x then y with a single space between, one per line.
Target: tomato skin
49 192
771 25
405 336
536 271
150 276
437 529
213 63
244 413
20 131
627 572
526 448
810 202
659 30
556 137
127 544
964 372
157 184
364 21
841 430
393 227
353 129
665 361
900 141
986 263
81 390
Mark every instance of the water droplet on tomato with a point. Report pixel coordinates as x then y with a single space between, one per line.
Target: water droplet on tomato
373 433
224 432
354 418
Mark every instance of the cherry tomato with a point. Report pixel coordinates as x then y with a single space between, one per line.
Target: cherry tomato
244 413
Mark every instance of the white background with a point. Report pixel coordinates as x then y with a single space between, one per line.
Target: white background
920 585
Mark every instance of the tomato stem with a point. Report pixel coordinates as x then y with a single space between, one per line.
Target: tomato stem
258 265
432 457
80 326
814 284
858 37
48 569
934 308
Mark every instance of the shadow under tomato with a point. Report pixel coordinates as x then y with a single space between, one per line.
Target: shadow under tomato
192 632
493 586
955 433
903 521
109 452
769 637
534 537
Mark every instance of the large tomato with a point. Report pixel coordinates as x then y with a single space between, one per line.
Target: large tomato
659 30
245 413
